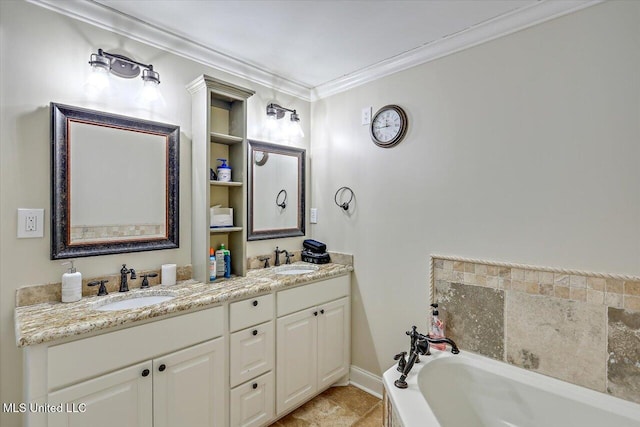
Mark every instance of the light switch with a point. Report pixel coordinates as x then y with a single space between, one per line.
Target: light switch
30 223
314 216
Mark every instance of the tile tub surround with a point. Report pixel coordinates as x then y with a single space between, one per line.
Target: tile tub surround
52 292
50 321
541 318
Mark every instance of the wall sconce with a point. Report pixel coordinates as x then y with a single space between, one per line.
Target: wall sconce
276 112
105 63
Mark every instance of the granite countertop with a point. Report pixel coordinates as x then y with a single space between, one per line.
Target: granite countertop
51 321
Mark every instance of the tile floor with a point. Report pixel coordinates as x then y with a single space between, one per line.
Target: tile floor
337 407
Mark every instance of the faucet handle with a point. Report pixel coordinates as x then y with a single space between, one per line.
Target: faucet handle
288 257
145 281
265 259
402 361
102 290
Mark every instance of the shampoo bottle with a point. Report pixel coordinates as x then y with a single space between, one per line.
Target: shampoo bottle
212 265
224 171
437 328
227 263
220 261
71 284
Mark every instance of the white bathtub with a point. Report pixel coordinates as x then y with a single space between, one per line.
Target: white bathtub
467 390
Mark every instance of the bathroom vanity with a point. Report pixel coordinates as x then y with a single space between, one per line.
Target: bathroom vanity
243 351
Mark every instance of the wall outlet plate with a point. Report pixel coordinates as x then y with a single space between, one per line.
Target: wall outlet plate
30 223
366 116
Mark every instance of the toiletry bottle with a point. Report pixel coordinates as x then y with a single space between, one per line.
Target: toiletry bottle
224 171
227 263
212 265
71 284
437 328
220 261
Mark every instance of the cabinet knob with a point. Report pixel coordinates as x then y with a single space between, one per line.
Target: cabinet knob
322 311
254 385
145 373
255 303
254 332
162 367
315 313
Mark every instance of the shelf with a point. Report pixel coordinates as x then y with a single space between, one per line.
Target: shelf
226 184
222 138
223 230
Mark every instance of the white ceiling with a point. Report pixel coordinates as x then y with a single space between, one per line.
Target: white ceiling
317 46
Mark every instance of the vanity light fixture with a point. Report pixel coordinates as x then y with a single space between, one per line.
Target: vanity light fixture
103 63
276 112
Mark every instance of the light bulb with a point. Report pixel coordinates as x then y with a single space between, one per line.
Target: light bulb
97 81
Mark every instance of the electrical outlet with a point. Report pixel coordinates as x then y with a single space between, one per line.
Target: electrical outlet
30 223
314 216
366 116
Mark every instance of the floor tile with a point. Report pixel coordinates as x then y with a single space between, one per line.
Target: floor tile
352 398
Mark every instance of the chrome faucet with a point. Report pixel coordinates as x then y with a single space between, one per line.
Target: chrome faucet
419 345
124 287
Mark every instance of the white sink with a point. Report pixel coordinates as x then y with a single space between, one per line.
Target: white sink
296 269
135 302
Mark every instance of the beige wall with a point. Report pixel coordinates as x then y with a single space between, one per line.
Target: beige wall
523 149
44 58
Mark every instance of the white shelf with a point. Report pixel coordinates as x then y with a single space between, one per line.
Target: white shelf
223 230
226 184
222 138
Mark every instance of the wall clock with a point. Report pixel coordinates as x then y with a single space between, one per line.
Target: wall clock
388 126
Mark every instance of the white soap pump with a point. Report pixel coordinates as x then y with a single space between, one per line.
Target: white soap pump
71 284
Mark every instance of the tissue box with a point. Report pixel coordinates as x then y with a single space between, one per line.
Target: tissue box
221 217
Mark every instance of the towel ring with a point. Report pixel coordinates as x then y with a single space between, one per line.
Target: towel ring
344 205
282 204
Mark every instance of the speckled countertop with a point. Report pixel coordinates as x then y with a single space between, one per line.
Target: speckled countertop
52 321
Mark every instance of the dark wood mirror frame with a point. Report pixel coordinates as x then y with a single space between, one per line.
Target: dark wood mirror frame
61 246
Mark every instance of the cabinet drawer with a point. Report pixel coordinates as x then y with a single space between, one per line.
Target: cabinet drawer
113 350
302 297
253 403
252 352
249 312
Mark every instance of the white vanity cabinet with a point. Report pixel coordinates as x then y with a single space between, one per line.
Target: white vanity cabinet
251 361
164 373
313 340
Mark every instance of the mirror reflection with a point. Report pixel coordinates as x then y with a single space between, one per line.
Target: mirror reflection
276 194
114 182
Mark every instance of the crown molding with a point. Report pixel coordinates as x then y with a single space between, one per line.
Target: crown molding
117 22
112 20
500 26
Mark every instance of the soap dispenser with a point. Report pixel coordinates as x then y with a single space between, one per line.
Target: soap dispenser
224 171
437 328
71 284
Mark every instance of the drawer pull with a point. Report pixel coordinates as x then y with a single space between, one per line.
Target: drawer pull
315 313
254 385
255 303
162 367
254 332
322 311
145 373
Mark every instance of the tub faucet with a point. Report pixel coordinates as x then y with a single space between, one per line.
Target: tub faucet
124 287
420 345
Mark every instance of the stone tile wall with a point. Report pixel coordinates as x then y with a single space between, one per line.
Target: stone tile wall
580 327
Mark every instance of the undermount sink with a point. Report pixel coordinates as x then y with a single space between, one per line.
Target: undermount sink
134 302
296 269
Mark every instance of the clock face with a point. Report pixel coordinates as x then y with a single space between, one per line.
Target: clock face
388 126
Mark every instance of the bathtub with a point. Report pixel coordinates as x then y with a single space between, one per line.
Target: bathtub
467 390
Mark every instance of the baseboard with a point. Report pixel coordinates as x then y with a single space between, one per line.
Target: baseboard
366 381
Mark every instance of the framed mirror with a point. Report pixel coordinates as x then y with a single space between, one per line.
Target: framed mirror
114 183
276 191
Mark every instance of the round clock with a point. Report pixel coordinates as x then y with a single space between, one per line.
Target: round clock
388 126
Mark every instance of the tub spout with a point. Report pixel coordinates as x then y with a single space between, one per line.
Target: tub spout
444 340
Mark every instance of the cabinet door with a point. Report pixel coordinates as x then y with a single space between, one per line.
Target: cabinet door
121 398
252 404
188 387
334 329
296 378
252 353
